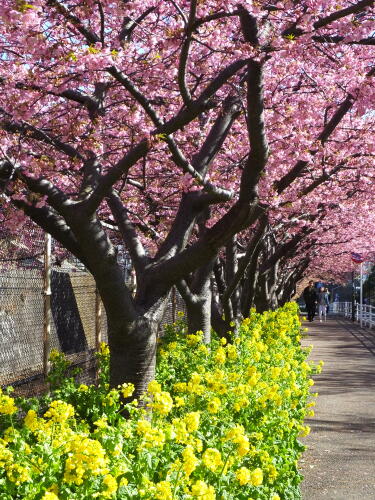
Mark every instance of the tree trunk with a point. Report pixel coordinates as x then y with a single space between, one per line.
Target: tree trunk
261 297
230 272
133 352
220 325
197 296
199 315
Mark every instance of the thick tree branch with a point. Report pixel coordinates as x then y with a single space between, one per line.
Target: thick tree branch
336 119
249 26
245 261
202 103
185 292
259 151
213 17
128 232
105 183
284 250
177 155
205 249
192 203
53 224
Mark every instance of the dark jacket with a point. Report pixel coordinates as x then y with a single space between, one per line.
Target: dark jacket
309 295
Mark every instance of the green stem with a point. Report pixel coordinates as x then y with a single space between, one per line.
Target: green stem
223 468
176 482
11 422
33 465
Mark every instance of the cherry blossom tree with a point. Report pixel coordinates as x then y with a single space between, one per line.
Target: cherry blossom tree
179 124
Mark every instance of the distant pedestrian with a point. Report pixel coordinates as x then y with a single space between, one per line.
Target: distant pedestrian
310 297
323 302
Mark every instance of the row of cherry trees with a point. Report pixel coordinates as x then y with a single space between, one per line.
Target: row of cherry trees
223 144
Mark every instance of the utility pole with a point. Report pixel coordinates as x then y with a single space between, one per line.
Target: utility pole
353 298
47 304
361 297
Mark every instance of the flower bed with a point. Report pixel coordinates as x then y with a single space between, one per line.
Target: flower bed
224 424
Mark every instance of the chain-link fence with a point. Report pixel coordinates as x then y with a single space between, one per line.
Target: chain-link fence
77 320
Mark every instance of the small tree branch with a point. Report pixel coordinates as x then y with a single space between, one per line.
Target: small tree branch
338 14
129 24
132 88
325 21
192 203
213 17
180 11
29 131
102 22
338 39
299 167
184 54
89 35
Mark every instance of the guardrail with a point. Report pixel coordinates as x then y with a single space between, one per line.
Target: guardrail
365 314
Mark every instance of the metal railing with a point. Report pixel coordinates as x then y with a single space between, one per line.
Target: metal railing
364 314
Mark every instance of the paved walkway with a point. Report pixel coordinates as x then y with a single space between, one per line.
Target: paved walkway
339 463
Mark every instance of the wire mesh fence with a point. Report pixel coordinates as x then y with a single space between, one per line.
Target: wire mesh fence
77 321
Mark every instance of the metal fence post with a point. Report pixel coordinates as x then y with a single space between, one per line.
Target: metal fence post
98 330
98 319
174 305
47 303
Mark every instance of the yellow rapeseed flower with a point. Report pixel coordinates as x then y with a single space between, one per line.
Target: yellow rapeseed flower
162 403
127 390
213 406
192 421
256 477
59 411
110 484
163 491
153 387
7 406
220 355
18 474
203 491
49 495
243 476
190 461
212 459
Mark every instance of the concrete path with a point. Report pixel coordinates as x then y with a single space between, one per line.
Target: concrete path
339 463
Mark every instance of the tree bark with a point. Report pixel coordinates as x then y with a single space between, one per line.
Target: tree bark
199 316
197 298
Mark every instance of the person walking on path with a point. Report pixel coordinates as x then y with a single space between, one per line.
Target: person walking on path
323 302
310 297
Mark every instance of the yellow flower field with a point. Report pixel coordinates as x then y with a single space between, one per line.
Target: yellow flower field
221 421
